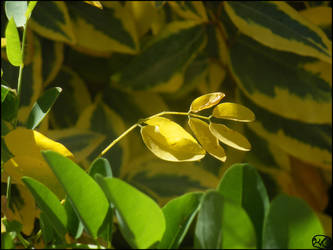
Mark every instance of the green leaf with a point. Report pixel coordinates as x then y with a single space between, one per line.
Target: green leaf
46 227
179 214
17 10
164 59
140 219
75 226
100 166
13 45
278 26
30 8
49 203
86 196
290 224
223 224
4 92
242 184
42 107
7 240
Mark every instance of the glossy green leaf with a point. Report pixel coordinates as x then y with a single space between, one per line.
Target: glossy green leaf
75 226
279 26
13 44
290 224
17 10
42 107
229 136
49 203
169 141
164 60
46 228
4 92
242 184
233 111
206 101
179 214
100 166
223 224
86 196
141 220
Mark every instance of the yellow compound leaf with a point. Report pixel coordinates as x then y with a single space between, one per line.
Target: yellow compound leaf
233 111
96 4
208 141
22 141
206 101
230 137
169 141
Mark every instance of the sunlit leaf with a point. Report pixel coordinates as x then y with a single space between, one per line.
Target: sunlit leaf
169 141
207 140
233 111
206 101
13 45
229 136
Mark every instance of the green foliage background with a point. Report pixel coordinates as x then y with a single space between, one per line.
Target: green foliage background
131 60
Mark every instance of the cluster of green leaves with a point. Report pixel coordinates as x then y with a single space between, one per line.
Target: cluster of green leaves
121 61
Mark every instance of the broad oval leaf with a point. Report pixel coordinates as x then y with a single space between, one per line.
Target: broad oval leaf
290 224
242 184
233 111
141 220
179 214
223 224
42 107
49 203
208 141
229 137
206 101
87 197
16 9
169 141
13 45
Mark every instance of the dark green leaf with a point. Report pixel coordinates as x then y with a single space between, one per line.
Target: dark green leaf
100 166
179 214
46 227
49 203
42 107
4 92
17 10
242 184
9 107
13 45
223 224
75 226
290 223
86 196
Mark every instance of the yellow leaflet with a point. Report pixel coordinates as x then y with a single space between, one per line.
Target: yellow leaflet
169 141
206 101
25 214
53 28
263 33
27 142
190 10
207 140
96 4
233 111
37 168
229 137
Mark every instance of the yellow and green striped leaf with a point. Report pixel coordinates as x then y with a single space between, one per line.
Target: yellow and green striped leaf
99 118
106 30
164 60
73 100
164 180
278 26
309 142
292 86
188 10
51 20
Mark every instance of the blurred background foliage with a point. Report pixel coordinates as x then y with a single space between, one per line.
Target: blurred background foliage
121 61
